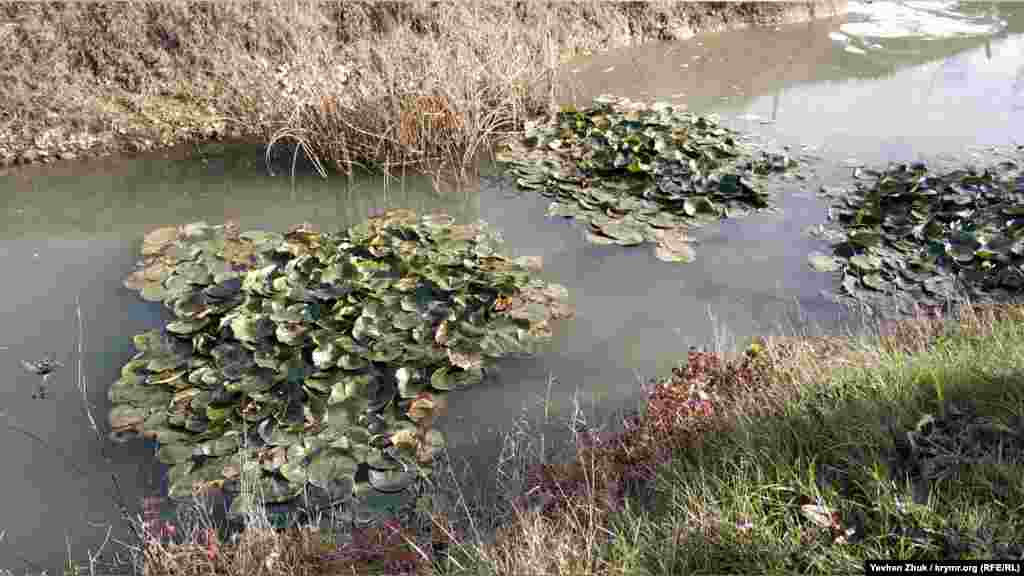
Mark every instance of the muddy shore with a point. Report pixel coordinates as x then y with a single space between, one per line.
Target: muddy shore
96 79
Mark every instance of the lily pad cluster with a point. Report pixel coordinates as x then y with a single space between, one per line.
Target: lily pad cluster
641 174
907 236
302 358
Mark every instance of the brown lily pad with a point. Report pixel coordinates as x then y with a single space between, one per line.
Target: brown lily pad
465 360
673 245
157 240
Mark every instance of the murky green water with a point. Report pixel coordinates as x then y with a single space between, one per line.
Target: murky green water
71 231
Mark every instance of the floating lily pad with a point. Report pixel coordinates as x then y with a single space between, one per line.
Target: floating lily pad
174 453
187 327
391 481
153 292
824 263
876 282
330 466
868 262
318 348
159 239
674 246
911 234
622 232
125 417
940 286
449 378
629 169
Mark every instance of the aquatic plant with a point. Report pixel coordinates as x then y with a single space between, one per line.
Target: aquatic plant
906 236
301 358
638 173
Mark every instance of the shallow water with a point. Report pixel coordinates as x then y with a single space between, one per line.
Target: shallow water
71 231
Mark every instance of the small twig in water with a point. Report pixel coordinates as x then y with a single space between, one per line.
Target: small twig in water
118 497
43 442
99 552
82 386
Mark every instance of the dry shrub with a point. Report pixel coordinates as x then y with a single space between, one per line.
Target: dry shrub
424 118
381 549
563 533
978 320
681 410
435 88
296 551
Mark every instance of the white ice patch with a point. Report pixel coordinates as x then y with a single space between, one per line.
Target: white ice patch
909 19
839 37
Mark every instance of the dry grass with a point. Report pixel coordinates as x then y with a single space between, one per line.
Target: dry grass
357 83
618 505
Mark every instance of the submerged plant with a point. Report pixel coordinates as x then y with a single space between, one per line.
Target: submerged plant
908 237
301 359
638 173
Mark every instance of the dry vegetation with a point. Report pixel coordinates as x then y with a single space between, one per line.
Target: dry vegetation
765 460
799 454
370 83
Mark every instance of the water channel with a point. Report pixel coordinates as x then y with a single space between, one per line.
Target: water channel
870 87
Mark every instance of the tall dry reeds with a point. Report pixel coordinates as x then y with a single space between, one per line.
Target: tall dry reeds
433 89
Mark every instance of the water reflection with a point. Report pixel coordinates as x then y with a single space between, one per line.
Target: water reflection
114 198
757 62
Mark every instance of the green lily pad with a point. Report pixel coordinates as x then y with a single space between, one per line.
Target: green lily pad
330 466
446 378
174 453
294 470
188 327
940 286
319 343
824 263
153 292
125 391
255 380
653 166
623 233
921 230
867 262
391 481
876 282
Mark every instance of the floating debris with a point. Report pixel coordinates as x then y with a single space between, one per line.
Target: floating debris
905 236
44 368
631 171
41 367
296 359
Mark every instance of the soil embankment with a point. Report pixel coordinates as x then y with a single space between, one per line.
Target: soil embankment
85 79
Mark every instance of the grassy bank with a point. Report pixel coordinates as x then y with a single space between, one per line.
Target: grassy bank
800 455
370 83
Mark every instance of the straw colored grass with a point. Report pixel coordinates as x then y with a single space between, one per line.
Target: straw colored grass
376 84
